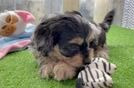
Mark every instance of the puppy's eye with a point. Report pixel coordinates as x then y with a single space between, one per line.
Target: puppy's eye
93 44
70 50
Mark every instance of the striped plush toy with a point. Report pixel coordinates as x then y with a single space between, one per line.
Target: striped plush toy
96 75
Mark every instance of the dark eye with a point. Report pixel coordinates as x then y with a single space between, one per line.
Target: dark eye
70 50
93 44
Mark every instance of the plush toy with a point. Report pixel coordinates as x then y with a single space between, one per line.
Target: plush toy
13 23
96 75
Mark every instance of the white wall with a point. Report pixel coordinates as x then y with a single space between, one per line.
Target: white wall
101 8
41 7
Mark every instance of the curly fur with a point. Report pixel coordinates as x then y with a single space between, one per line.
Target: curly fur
63 43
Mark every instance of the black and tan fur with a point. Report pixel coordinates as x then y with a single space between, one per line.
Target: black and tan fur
63 43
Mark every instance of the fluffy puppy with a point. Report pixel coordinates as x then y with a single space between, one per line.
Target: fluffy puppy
63 43
99 42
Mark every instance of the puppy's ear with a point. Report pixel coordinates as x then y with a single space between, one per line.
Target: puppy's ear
43 39
108 20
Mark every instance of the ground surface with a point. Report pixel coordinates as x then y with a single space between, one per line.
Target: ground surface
19 70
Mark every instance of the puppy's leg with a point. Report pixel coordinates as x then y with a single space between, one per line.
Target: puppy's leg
63 71
46 65
46 70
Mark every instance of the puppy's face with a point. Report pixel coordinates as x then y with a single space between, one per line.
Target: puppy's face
67 37
73 43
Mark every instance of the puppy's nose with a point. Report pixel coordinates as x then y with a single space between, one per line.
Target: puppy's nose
85 52
86 61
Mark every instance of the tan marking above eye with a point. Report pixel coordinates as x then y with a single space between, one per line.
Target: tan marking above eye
75 61
77 40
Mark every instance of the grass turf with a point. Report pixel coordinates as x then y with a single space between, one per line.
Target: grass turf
19 69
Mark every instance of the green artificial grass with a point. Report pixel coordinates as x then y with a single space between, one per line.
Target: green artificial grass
19 69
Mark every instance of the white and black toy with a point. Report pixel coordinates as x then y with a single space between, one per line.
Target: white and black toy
96 75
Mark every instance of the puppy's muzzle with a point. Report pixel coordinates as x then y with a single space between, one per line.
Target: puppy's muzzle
85 53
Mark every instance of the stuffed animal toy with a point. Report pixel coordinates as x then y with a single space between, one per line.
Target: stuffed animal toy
96 75
13 23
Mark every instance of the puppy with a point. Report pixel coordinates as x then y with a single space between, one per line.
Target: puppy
63 43
99 41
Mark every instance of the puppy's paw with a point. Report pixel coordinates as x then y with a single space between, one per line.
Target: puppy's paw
62 71
46 71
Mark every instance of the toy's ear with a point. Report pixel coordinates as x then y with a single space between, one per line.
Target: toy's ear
26 16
